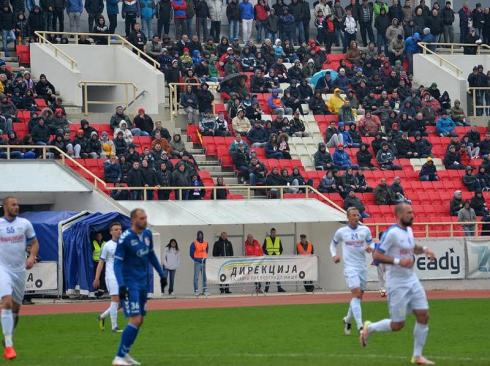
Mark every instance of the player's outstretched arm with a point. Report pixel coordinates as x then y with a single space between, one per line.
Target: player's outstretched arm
33 251
333 252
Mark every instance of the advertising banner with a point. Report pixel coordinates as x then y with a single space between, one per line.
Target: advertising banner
450 263
42 277
478 258
240 270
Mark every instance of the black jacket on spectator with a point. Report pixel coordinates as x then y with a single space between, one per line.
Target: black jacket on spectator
40 133
222 248
35 20
95 7
7 20
112 173
135 178
149 176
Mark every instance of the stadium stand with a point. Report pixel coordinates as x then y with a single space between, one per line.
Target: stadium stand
327 90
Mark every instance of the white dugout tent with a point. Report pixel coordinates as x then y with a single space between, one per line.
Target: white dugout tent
182 219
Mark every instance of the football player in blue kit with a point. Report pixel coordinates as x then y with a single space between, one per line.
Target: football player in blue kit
134 254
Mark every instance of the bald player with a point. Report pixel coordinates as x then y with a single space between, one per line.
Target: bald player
397 251
17 237
134 254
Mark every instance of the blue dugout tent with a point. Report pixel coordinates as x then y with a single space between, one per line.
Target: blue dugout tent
78 267
48 226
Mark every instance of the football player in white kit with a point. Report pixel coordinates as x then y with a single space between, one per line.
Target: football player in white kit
107 258
17 236
405 293
356 241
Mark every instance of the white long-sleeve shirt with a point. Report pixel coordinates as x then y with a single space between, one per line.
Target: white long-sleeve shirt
171 258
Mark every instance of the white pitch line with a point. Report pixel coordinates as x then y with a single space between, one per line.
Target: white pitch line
332 355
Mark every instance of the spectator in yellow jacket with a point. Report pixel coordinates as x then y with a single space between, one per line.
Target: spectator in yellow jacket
335 102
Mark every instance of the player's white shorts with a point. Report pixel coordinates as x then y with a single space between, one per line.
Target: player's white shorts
355 279
406 298
12 283
112 286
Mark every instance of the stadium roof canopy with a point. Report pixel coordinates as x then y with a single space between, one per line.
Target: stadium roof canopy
235 212
33 176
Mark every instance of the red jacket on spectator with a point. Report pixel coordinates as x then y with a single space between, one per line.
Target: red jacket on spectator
260 12
253 249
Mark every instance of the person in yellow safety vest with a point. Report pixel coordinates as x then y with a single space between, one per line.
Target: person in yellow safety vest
97 245
199 253
304 247
272 246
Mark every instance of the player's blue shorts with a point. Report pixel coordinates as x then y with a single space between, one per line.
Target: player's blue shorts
135 303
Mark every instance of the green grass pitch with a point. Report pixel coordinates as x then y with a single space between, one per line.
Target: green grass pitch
272 336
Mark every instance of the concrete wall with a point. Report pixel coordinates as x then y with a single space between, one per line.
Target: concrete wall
100 63
58 71
330 275
426 70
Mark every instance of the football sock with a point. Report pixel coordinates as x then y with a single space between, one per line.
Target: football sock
127 339
348 317
7 326
106 313
420 332
381 326
113 313
355 305
16 317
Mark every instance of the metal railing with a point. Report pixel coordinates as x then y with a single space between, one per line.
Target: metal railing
474 91
99 183
111 39
442 61
57 51
450 48
128 86
174 96
427 229
432 229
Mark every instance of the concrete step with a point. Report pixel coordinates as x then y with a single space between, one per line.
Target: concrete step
224 175
213 169
233 181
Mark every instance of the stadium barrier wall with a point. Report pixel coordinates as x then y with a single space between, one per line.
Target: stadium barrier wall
427 70
99 63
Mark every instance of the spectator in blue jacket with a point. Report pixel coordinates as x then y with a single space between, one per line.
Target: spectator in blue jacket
147 11
258 135
412 47
112 170
342 82
247 19
341 159
130 12
198 252
112 12
74 9
347 138
276 104
445 125
287 25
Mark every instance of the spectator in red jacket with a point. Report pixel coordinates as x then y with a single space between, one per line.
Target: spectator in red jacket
180 17
254 249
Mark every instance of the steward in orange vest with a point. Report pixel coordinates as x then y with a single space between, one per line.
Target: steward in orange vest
304 247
